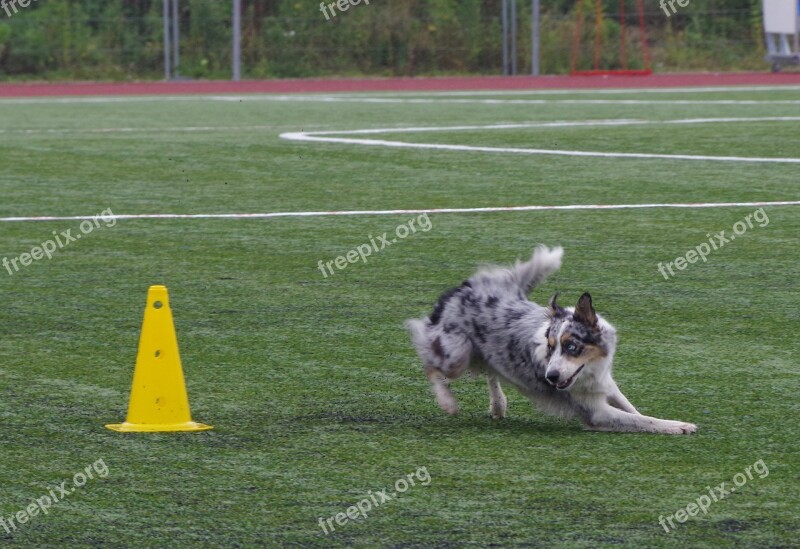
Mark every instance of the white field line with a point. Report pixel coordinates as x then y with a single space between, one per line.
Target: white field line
387 100
351 213
379 94
431 101
177 129
554 152
558 124
430 98
325 137
509 126
599 91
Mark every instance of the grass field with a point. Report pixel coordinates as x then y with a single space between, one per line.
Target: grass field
315 393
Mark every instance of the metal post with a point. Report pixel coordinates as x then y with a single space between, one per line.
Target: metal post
237 40
535 54
167 47
513 47
176 41
504 19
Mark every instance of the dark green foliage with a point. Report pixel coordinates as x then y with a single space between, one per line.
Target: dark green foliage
292 38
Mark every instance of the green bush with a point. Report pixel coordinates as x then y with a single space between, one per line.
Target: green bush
123 39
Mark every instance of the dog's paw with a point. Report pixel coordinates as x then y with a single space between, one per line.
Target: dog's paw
451 409
497 411
449 405
680 428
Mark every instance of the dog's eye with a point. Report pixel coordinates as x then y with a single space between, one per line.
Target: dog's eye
572 348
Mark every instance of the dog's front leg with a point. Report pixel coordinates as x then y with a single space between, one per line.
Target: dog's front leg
498 404
608 418
618 400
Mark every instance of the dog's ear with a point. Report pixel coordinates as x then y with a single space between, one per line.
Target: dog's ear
554 310
584 312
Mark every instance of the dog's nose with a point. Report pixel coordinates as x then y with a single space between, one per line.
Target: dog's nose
552 376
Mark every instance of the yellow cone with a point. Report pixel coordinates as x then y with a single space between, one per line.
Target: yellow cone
159 402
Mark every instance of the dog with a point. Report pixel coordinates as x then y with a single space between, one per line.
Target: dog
560 358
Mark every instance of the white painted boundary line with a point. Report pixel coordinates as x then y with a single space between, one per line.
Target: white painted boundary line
457 101
600 91
324 137
434 97
431 101
555 152
509 126
154 129
557 124
352 213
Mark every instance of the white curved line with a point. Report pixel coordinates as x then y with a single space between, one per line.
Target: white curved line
326 137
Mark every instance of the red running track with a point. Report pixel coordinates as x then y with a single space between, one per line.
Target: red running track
467 83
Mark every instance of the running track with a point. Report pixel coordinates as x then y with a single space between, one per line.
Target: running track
467 83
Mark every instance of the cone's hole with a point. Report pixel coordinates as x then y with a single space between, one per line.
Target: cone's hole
158 305
158 354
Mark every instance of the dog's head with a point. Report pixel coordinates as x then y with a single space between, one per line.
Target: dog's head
578 341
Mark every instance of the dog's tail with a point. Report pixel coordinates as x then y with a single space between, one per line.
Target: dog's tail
419 337
545 261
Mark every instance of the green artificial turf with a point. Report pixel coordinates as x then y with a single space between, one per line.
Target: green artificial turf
315 393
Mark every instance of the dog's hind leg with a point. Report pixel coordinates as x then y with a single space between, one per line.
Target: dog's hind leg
441 390
498 404
452 354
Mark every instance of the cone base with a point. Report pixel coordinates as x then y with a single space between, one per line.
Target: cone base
188 426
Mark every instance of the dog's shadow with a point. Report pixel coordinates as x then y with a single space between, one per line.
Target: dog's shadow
474 423
437 424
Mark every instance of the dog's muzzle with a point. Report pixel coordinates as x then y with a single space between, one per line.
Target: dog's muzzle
552 379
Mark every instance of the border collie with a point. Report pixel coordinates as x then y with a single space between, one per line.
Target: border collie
560 358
